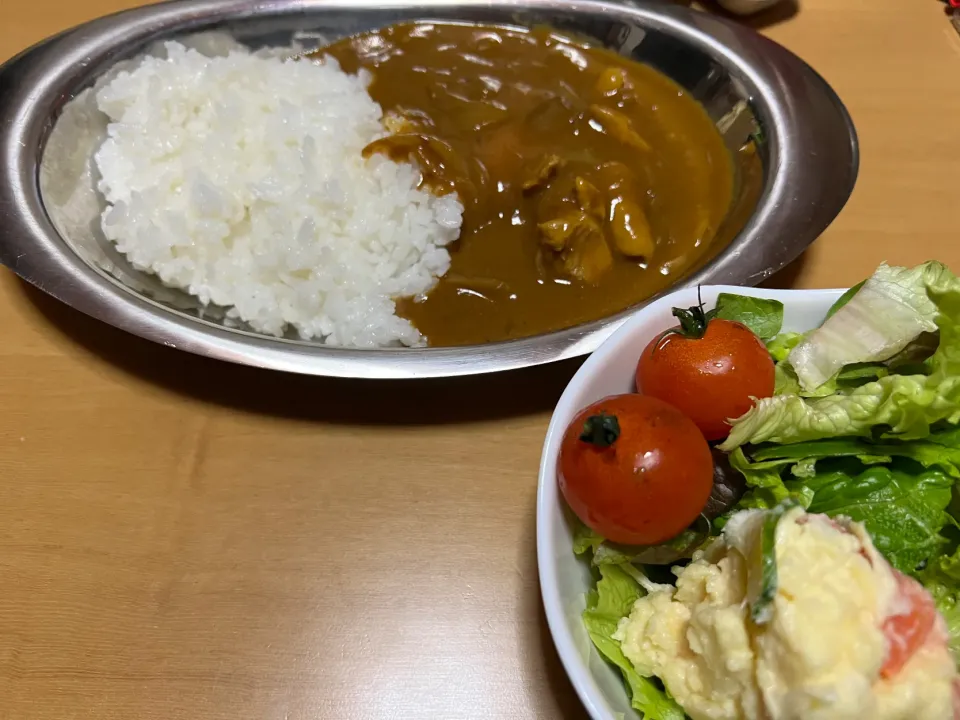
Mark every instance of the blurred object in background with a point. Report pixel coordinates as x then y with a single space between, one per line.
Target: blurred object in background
953 12
746 7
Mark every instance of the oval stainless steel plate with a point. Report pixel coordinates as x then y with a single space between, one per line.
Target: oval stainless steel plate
809 154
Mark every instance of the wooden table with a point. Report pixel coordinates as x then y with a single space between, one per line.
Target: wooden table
181 538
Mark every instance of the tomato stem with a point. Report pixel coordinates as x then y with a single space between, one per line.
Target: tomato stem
693 322
601 430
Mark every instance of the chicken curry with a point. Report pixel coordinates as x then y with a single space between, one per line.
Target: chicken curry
589 181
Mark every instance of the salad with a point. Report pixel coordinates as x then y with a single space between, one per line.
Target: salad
772 518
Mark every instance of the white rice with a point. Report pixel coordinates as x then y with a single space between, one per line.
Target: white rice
240 180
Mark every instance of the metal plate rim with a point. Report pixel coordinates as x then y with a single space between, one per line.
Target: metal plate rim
33 249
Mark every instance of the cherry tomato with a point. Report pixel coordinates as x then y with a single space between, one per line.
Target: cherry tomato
710 370
910 630
635 469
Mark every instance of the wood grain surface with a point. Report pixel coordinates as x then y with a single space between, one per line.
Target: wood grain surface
181 538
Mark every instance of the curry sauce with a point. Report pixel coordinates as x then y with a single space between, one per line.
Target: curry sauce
589 181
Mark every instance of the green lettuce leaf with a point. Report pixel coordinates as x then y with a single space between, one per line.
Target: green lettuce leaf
941 577
605 552
767 487
763 317
900 406
787 382
940 451
611 601
666 553
893 406
785 379
904 511
913 358
782 344
900 491
844 299
584 538
891 310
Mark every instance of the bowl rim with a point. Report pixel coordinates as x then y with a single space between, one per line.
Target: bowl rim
548 495
801 196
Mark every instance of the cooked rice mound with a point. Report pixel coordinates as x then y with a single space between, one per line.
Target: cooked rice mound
240 179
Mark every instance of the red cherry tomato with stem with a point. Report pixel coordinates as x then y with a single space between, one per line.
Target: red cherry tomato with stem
710 369
635 469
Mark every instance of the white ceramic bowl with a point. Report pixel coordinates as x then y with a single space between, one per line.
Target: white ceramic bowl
565 579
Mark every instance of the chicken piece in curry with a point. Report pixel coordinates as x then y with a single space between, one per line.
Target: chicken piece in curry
589 181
